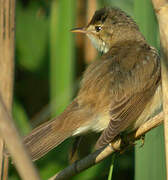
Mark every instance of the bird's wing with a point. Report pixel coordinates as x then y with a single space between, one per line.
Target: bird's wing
123 115
134 79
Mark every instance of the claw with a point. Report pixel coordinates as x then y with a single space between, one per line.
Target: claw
142 141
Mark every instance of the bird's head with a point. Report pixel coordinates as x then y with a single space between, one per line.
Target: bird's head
108 26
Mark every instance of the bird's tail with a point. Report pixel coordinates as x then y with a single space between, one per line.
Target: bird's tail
43 139
50 134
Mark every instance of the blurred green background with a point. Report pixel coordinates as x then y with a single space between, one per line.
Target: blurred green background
49 63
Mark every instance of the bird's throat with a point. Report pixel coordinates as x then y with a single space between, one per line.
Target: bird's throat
99 44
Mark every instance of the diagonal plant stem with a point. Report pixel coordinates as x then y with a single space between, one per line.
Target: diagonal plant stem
117 145
15 146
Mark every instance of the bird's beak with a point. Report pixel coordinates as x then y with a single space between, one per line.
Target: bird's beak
79 30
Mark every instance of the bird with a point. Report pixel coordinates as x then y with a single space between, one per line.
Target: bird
118 92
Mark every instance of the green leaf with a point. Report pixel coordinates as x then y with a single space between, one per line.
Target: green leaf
61 54
111 167
21 118
31 36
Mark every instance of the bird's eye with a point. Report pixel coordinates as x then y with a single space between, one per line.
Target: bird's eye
98 28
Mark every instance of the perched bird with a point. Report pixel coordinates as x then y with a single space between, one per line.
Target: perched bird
118 92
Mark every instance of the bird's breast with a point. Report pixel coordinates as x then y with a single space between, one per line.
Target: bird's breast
101 122
98 123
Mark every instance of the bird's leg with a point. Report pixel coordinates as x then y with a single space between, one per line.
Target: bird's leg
142 140
126 143
73 152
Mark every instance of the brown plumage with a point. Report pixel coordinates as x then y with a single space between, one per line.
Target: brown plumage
118 92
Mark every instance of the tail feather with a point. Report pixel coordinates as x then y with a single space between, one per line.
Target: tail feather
43 139
50 134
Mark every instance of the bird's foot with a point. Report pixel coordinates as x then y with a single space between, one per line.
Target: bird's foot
142 141
126 143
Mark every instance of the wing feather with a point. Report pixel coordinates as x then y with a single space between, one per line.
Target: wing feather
134 86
